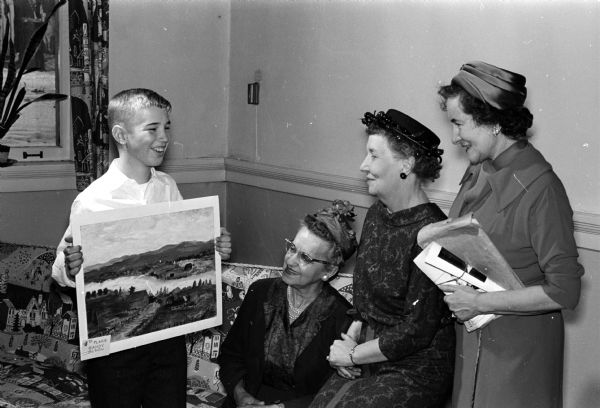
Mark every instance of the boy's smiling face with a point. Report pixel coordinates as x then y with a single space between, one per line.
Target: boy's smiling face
147 137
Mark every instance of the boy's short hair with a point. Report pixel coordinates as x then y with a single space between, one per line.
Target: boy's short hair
124 105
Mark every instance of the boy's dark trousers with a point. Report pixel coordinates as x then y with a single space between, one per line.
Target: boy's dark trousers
150 376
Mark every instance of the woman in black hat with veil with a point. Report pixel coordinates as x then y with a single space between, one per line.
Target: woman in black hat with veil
399 352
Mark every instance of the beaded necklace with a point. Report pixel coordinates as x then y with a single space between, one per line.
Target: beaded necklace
294 312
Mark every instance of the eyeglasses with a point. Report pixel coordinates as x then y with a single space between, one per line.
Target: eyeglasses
306 259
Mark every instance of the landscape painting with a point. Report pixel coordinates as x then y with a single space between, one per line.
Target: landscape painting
149 273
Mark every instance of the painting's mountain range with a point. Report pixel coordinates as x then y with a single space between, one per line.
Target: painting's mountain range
145 262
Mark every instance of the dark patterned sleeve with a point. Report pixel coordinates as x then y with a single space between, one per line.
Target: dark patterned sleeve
232 367
424 312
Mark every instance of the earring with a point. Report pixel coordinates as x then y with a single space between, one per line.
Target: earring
403 176
496 130
325 277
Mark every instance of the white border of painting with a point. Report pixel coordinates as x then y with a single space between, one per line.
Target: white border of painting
105 347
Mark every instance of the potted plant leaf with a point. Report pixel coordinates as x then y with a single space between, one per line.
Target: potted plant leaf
12 93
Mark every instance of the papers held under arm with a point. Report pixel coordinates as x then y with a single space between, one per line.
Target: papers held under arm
458 251
465 238
445 268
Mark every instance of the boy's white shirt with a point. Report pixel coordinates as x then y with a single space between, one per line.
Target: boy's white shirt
114 190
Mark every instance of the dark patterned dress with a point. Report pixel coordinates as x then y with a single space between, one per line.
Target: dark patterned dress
276 359
406 312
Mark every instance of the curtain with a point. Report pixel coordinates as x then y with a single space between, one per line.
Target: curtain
88 54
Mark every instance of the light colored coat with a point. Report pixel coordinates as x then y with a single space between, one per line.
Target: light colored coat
517 361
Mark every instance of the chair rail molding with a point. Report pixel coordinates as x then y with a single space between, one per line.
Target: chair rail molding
330 186
195 170
38 176
44 176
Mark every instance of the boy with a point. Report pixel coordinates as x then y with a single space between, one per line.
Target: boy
154 375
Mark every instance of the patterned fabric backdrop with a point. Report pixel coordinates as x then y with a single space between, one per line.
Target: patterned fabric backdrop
88 51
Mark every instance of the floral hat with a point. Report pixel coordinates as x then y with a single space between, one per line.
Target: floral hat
336 219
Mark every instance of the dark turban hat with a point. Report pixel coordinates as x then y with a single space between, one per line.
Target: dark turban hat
499 88
408 130
336 220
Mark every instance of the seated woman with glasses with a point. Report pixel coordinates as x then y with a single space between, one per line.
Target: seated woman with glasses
276 351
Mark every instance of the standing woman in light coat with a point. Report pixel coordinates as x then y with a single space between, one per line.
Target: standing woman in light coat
517 360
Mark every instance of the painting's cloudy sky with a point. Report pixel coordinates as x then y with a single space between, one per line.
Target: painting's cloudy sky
114 239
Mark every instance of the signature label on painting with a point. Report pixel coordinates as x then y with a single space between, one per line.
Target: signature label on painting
96 347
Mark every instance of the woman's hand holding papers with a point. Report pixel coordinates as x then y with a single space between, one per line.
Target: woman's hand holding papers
462 301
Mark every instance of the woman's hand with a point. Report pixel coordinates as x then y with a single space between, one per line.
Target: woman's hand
462 301
349 373
244 399
73 258
354 330
258 403
339 352
345 367
223 244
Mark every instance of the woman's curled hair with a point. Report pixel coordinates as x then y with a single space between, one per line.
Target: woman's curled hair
513 122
